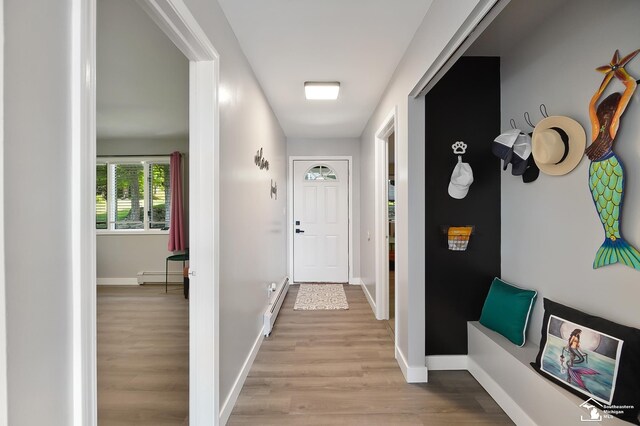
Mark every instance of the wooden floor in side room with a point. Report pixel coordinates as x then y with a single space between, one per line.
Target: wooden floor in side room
143 356
338 368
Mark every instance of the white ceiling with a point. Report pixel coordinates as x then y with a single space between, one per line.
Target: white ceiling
356 42
142 78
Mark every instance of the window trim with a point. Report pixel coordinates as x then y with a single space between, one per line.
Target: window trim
146 160
321 165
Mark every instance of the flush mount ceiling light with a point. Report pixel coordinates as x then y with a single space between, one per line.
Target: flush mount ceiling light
323 90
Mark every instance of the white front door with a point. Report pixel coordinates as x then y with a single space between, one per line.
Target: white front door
321 221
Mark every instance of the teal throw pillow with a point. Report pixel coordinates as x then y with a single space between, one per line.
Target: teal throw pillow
507 310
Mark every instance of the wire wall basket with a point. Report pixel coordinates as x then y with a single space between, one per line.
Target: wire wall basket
458 236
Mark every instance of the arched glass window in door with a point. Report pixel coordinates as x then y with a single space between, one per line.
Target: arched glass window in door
320 172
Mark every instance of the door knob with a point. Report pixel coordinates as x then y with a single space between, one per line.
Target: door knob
299 231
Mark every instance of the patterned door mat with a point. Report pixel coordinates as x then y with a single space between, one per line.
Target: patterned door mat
316 297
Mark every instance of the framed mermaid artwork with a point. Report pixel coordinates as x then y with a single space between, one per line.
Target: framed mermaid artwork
606 172
584 359
591 357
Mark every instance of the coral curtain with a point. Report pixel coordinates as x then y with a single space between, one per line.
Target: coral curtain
177 239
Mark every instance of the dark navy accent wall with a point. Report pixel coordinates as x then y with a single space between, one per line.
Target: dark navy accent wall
464 105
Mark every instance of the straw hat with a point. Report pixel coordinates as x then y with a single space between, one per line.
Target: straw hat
558 145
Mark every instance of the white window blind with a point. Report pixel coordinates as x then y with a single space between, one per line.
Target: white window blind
159 195
133 195
101 197
128 181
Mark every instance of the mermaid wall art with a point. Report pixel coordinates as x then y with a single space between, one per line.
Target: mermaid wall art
584 359
606 172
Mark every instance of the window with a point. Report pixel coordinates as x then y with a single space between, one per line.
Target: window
320 173
133 194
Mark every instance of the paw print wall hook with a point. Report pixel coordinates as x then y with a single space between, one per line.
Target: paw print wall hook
459 147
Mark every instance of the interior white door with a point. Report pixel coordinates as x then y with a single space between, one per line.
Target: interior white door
321 221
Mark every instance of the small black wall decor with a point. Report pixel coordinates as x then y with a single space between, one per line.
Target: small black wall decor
263 164
464 105
260 161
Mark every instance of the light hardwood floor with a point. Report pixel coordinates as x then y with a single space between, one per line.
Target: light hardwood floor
338 368
392 302
143 356
317 368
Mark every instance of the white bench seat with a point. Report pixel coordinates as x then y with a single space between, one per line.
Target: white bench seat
503 369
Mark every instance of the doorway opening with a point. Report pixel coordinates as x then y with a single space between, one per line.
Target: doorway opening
142 199
177 22
385 220
391 231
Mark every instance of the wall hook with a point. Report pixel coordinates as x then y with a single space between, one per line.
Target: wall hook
459 147
543 111
527 119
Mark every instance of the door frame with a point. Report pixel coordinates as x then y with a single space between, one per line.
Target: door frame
4 417
381 215
290 227
176 21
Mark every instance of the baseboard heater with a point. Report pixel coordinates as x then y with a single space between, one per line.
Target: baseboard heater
158 277
275 302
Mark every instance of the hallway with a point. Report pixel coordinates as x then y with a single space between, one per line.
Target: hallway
338 367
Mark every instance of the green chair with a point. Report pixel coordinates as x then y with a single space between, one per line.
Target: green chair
181 257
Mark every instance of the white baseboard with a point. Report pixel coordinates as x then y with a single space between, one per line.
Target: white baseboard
411 374
356 281
513 410
153 277
447 362
369 299
230 402
117 281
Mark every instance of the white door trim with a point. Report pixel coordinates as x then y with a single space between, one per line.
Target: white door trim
478 20
290 226
82 192
4 421
175 19
381 215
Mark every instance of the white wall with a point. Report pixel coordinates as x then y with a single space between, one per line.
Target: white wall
124 256
3 316
37 211
550 228
121 257
37 214
142 146
142 78
252 225
442 21
142 97
344 146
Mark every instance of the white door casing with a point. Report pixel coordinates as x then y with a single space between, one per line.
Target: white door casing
320 221
4 419
381 305
176 21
